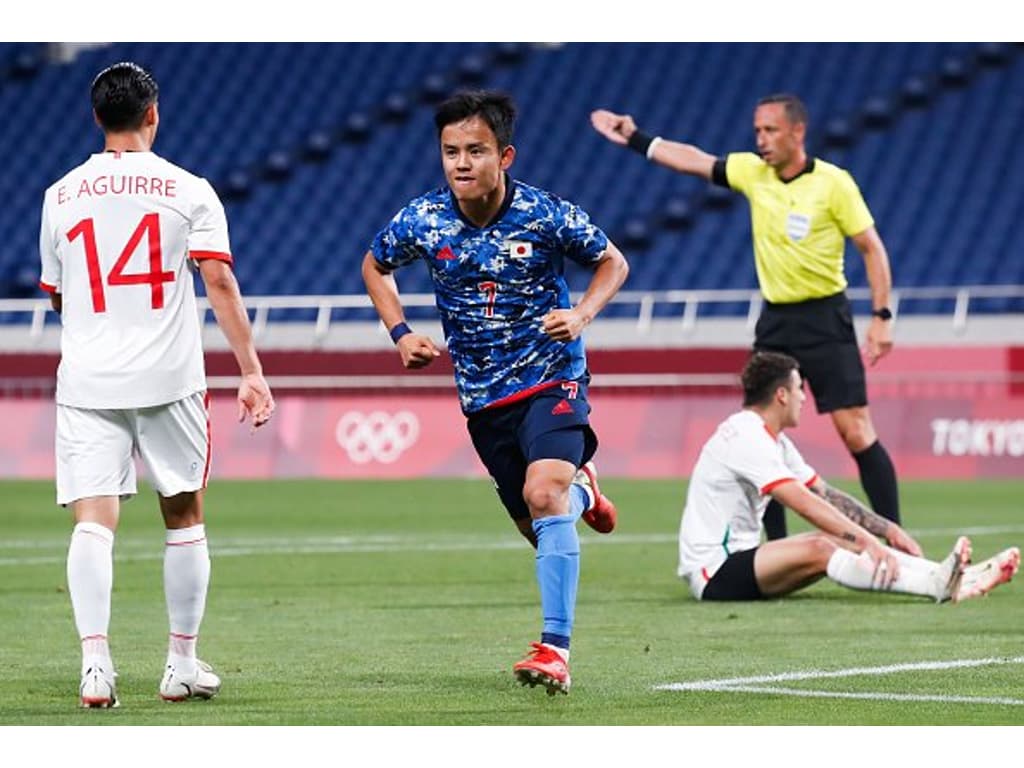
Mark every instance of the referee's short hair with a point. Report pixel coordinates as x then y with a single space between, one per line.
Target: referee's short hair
763 374
796 112
493 107
121 94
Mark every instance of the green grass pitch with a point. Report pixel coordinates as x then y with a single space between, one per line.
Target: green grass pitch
406 603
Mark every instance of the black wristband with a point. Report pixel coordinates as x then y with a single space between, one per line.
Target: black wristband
399 331
640 142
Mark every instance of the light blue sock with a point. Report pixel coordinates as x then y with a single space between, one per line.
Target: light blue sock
558 571
578 501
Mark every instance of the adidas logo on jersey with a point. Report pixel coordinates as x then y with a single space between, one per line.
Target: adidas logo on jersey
562 407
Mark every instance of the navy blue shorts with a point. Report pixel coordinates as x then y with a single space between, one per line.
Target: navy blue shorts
552 424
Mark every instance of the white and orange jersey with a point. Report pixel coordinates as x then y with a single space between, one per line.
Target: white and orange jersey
119 240
729 492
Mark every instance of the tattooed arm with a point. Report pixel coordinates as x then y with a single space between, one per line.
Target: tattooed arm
865 518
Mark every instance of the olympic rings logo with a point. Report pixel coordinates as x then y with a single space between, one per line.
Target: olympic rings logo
376 436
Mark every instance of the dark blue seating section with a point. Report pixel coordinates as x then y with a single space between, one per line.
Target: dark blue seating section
315 146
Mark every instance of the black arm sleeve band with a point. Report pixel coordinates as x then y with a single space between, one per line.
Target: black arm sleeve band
639 142
718 175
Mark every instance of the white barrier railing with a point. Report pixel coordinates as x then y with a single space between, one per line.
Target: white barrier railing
646 302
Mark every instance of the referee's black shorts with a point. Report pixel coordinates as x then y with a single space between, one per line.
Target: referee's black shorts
819 334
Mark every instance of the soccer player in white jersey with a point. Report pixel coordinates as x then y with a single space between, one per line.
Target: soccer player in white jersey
121 236
749 461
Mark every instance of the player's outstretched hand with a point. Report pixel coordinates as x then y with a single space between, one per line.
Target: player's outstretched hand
614 127
417 351
903 541
255 400
563 324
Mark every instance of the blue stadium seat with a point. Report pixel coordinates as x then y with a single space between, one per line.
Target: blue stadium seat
329 140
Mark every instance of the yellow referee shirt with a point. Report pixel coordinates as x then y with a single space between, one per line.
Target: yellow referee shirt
800 226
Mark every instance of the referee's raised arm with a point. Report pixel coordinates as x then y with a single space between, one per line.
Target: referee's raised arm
622 130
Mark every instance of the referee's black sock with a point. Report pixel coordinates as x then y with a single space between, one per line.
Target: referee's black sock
878 477
775 521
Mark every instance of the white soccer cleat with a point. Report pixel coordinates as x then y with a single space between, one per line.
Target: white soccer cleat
97 690
982 578
203 684
951 570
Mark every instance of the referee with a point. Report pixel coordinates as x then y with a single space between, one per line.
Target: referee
802 209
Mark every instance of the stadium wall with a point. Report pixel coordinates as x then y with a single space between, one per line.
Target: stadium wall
943 412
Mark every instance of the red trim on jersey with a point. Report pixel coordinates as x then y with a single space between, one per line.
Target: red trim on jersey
704 573
47 287
203 255
769 431
775 484
812 481
209 440
523 394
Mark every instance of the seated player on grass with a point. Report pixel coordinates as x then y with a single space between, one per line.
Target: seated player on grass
749 461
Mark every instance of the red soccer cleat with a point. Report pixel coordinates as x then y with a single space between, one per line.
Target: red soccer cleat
545 666
602 516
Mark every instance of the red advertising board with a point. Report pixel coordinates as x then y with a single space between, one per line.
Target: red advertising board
935 434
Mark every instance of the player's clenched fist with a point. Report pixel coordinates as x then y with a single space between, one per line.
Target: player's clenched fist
417 351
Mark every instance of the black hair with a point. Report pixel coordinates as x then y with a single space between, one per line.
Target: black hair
121 94
796 112
763 374
493 107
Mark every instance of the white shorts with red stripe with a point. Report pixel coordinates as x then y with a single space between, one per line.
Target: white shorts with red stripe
95 449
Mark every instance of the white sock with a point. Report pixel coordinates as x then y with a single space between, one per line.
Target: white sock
563 652
90 573
917 575
186 578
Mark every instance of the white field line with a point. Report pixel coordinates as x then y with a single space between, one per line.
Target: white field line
54 550
750 684
136 549
875 696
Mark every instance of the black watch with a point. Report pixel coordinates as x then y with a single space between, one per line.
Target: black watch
883 312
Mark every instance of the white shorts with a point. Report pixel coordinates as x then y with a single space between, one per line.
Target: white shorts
95 448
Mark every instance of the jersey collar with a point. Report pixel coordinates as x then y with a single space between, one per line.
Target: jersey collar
510 192
808 168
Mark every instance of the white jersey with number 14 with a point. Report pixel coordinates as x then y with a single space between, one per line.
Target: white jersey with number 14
119 240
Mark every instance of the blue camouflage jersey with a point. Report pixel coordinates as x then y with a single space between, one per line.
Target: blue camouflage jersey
494 284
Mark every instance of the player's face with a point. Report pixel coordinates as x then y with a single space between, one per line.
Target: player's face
778 140
794 400
473 164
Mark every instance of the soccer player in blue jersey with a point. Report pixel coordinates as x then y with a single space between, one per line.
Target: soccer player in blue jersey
496 249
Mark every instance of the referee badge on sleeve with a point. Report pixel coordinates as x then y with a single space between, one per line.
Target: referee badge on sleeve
798 225
520 249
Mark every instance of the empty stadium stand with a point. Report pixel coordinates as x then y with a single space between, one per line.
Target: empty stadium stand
315 146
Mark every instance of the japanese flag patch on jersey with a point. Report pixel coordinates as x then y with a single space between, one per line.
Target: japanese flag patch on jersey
520 249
